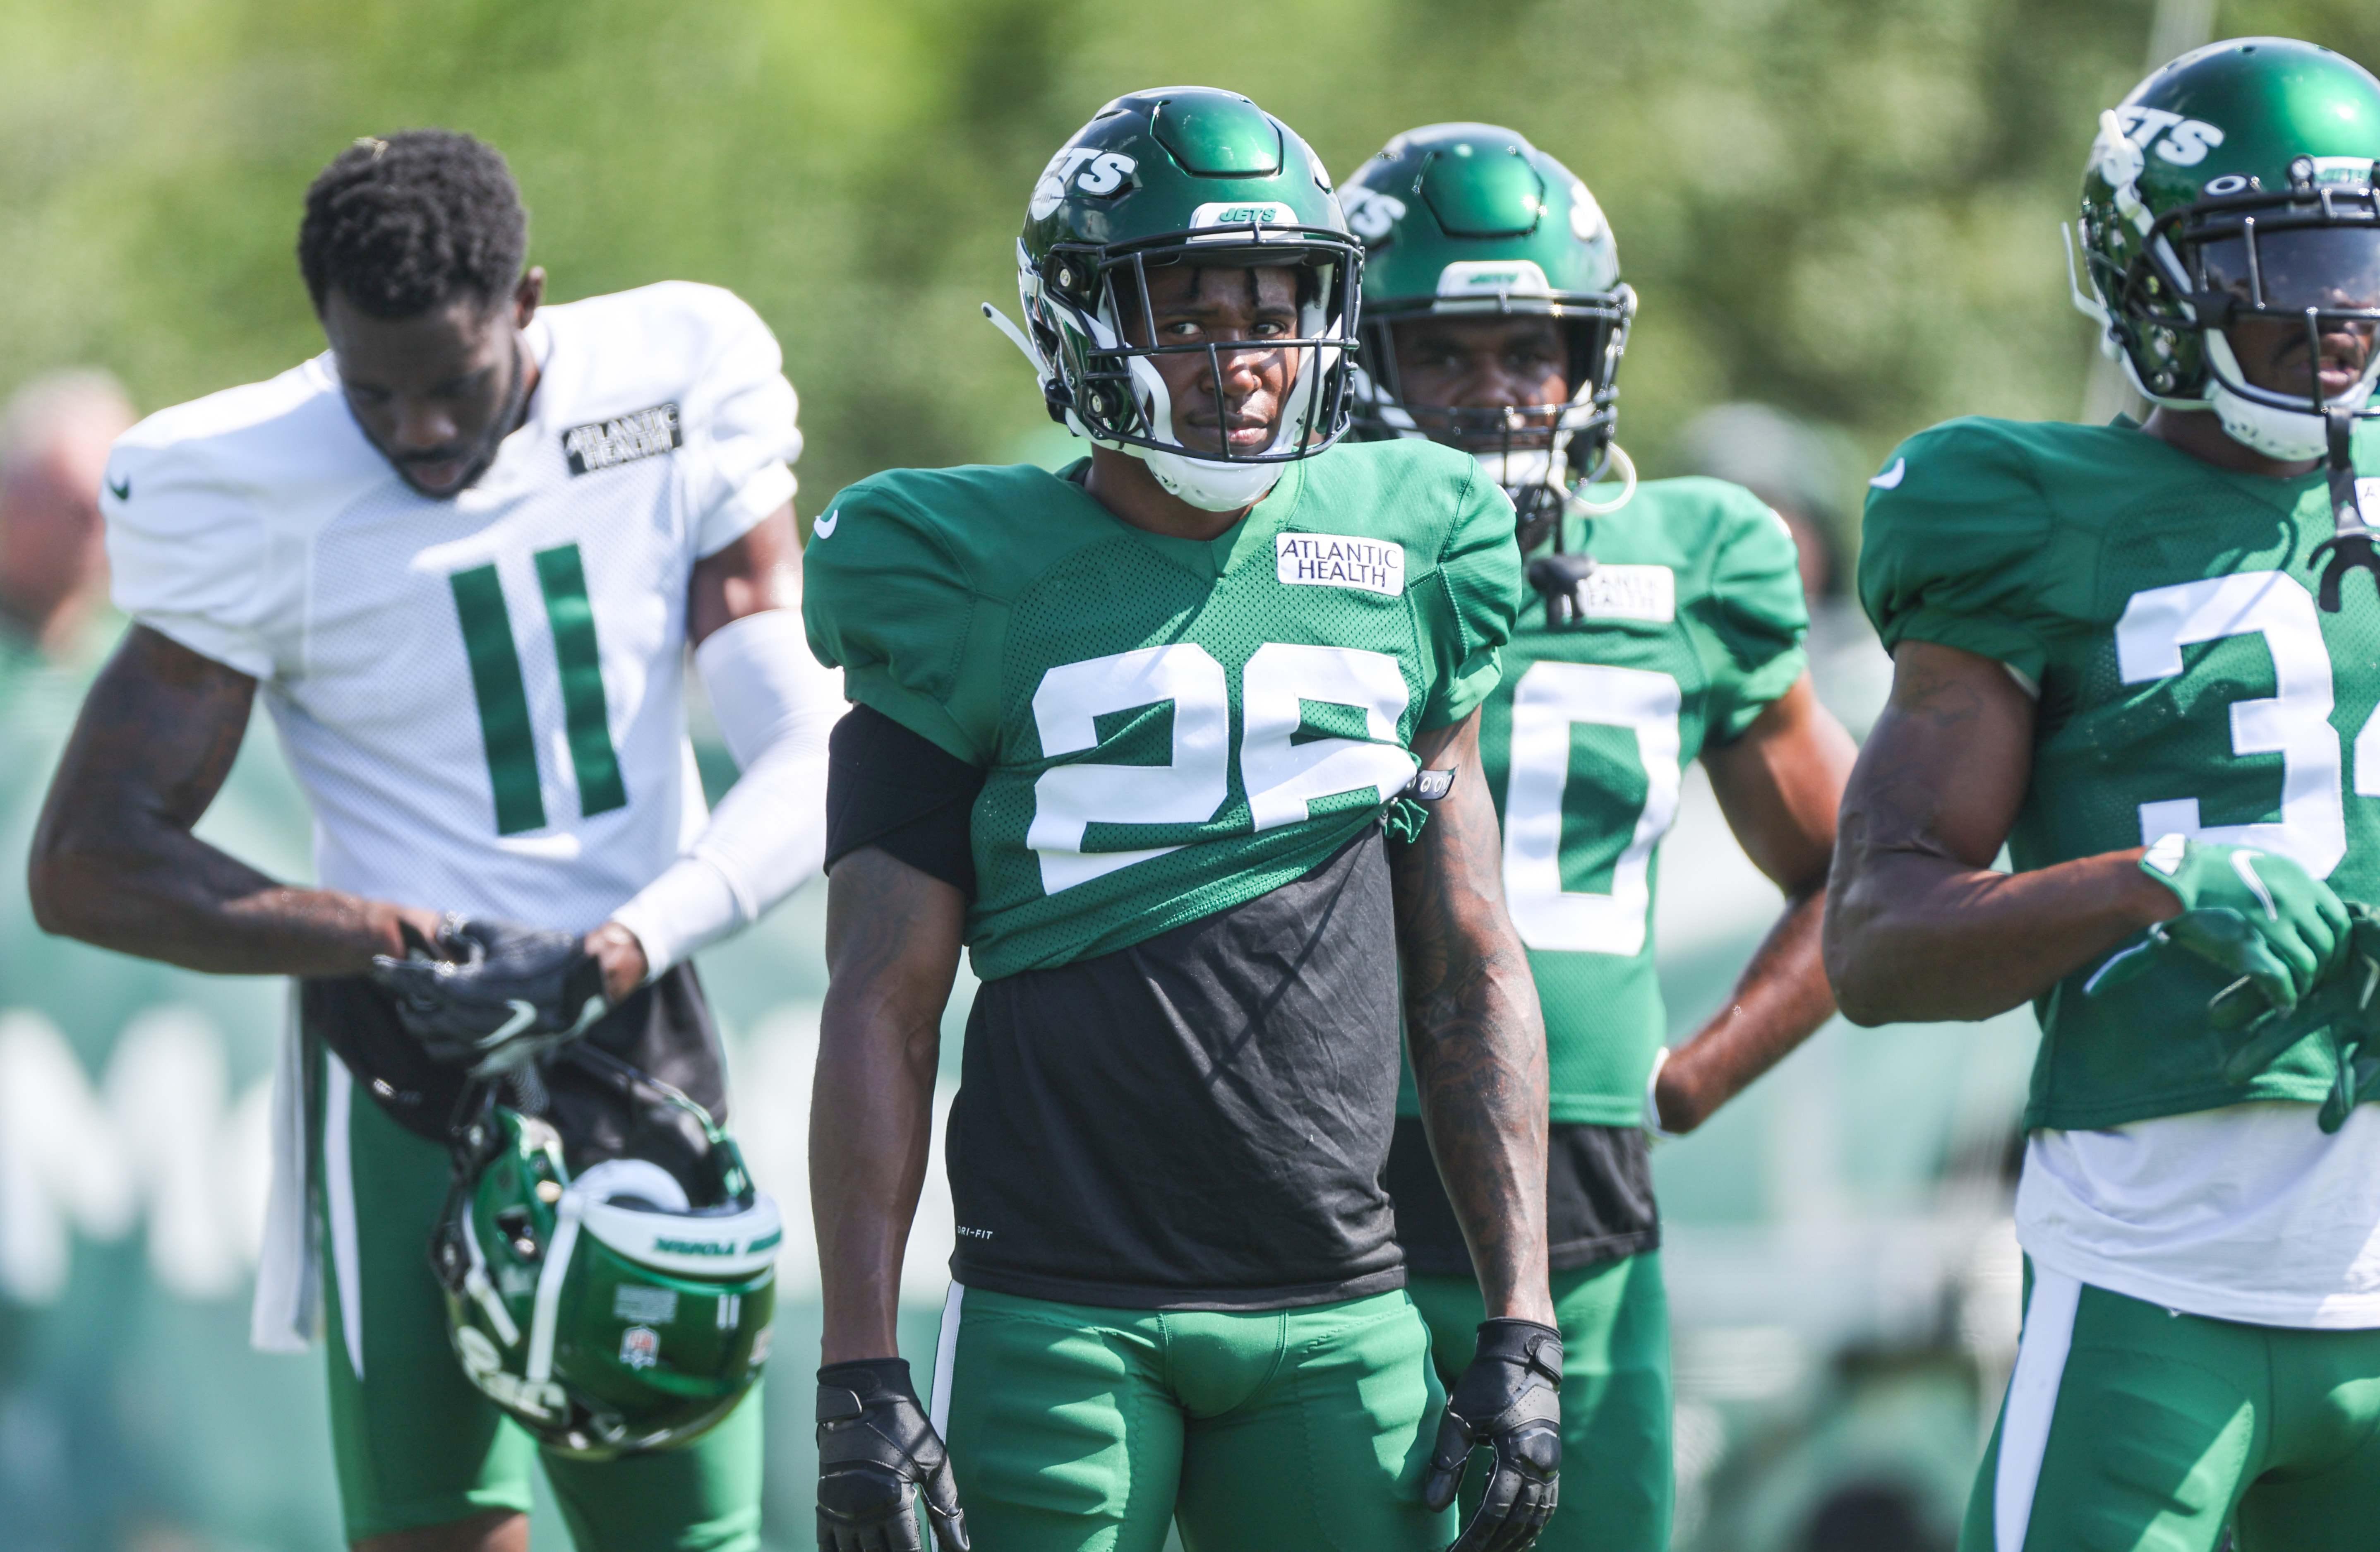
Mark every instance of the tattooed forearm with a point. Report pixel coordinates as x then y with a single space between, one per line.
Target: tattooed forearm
113 862
1476 1037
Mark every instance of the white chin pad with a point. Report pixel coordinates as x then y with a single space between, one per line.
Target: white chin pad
1524 466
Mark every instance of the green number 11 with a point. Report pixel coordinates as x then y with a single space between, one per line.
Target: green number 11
503 694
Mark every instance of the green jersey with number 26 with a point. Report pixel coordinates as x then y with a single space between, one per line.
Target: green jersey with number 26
1690 624
2162 610
1168 726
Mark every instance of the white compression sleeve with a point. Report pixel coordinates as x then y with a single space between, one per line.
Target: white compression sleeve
775 705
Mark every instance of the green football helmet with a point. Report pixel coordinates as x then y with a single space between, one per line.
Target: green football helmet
612 1312
1471 218
2233 185
1192 175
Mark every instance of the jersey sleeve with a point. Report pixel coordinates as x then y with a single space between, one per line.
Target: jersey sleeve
740 421
189 553
1758 618
1475 598
1952 544
887 601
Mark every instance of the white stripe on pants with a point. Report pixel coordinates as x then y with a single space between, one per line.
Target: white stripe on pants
2032 1402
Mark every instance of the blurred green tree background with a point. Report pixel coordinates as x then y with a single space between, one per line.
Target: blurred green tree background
1846 208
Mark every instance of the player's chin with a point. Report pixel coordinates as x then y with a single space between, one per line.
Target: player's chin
442 478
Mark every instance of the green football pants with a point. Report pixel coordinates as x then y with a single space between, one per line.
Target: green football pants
1075 1428
1617 1490
2131 1428
416 1444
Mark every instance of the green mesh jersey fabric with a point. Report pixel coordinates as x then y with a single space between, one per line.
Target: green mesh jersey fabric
2163 608
1168 726
1694 623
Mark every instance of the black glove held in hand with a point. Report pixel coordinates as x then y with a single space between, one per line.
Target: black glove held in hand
1508 1400
490 995
873 1445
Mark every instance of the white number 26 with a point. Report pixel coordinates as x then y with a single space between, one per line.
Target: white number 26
1281 776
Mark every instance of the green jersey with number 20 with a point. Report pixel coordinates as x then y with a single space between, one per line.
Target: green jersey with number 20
1690 624
2163 611
1168 726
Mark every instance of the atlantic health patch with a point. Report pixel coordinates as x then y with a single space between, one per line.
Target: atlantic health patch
1340 560
602 444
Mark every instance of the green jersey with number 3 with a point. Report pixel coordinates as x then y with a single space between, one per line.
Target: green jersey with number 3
1690 624
2161 609
1168 726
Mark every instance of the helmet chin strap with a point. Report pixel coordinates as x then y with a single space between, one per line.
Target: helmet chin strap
2350 545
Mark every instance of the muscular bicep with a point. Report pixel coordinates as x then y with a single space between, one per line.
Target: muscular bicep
156 738
1780 786
760 570
893 935
1946 767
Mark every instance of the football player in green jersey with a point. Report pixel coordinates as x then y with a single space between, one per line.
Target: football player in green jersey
2115 651
1664 623
1137 735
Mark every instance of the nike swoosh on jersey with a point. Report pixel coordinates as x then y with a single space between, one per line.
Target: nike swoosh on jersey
824 527
1891 478
122 492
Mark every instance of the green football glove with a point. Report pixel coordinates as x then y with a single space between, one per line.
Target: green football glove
2344 1005
2257 916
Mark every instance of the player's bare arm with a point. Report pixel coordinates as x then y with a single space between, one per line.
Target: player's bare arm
114 862
893 939
1918 925
1780 785
1477 1041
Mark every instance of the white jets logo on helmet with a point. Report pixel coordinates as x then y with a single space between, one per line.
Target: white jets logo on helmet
1371 213
2182 142
1104 173
1585 215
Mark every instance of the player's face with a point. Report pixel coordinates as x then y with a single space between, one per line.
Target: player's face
2275 356
2331 269
1241 308
1482 361
436 393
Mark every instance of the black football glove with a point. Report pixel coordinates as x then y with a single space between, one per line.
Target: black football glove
874 1444
1509 1402
494 995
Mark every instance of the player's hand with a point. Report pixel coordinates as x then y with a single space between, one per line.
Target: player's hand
1509 1402
2251 913
874 1444
492 995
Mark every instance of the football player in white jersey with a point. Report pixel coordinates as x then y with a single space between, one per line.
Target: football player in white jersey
463 555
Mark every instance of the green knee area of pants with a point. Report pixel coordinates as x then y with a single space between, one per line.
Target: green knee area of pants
2161 1431
1075 1428
416 1445
1617 1489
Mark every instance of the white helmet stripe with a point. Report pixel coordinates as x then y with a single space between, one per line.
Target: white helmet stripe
549 1291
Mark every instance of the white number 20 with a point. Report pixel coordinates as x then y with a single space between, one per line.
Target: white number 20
1550 699
1281 776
